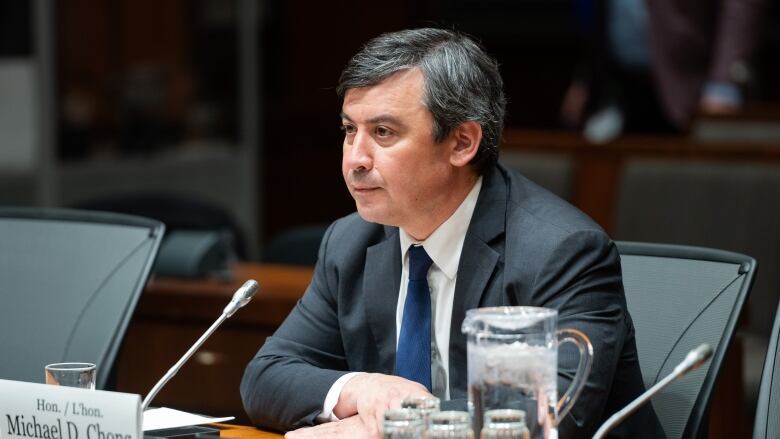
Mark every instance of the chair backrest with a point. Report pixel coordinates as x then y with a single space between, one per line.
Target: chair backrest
680 297
734 206
177 212
69 282
553 172
767 424
297 245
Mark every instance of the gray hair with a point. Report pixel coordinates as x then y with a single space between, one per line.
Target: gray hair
462 82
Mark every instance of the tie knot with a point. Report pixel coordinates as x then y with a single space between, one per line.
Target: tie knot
419 263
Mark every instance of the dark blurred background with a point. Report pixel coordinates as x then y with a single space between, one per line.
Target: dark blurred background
228 108
233 102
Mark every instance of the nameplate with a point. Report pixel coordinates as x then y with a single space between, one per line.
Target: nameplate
40 411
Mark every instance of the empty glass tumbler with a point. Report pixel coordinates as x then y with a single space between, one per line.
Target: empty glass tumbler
81 375
505 424
403 424
424 405
450 425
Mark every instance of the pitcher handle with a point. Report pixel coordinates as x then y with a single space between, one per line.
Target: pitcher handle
583 370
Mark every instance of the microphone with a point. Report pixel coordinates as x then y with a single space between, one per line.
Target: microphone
241 297
693 360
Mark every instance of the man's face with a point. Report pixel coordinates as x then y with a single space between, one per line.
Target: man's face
393 168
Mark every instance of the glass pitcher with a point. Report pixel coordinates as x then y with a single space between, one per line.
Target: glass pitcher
513 364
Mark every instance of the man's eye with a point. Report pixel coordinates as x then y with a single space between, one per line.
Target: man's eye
383 132
347 129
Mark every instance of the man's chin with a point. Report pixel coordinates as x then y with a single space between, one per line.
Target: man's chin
374 216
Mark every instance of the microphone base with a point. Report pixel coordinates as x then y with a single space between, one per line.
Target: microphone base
188 432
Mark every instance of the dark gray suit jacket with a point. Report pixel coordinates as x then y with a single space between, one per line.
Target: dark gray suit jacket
524 246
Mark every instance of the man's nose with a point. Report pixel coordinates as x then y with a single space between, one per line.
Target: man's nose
358 155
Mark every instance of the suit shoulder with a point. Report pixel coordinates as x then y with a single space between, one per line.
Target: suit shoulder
352 233
538 222
535 206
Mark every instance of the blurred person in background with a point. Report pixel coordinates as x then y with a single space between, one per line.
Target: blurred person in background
652 65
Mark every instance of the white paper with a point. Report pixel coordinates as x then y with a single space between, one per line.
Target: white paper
155 419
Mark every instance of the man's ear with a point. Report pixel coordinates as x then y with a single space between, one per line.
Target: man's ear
467 137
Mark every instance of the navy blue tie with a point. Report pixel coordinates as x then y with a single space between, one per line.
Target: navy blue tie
413 357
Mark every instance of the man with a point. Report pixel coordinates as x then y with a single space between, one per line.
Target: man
422 116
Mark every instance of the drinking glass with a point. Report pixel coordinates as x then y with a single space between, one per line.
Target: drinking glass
450 424
81 375
505 424
424 405
403 424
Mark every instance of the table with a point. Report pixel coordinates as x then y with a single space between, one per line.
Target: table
173 313
229 431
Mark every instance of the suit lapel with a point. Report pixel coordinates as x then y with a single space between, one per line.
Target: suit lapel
380 285
477 266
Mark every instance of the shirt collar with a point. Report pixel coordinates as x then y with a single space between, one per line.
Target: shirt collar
445 243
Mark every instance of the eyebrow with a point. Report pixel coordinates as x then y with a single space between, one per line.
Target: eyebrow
382 118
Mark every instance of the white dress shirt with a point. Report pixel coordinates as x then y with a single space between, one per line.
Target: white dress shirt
444 247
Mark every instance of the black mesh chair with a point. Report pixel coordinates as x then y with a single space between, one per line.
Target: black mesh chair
724 205
767 424
680 297
69 282
178 213
295 246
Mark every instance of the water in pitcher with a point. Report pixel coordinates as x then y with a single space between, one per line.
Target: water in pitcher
514 376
